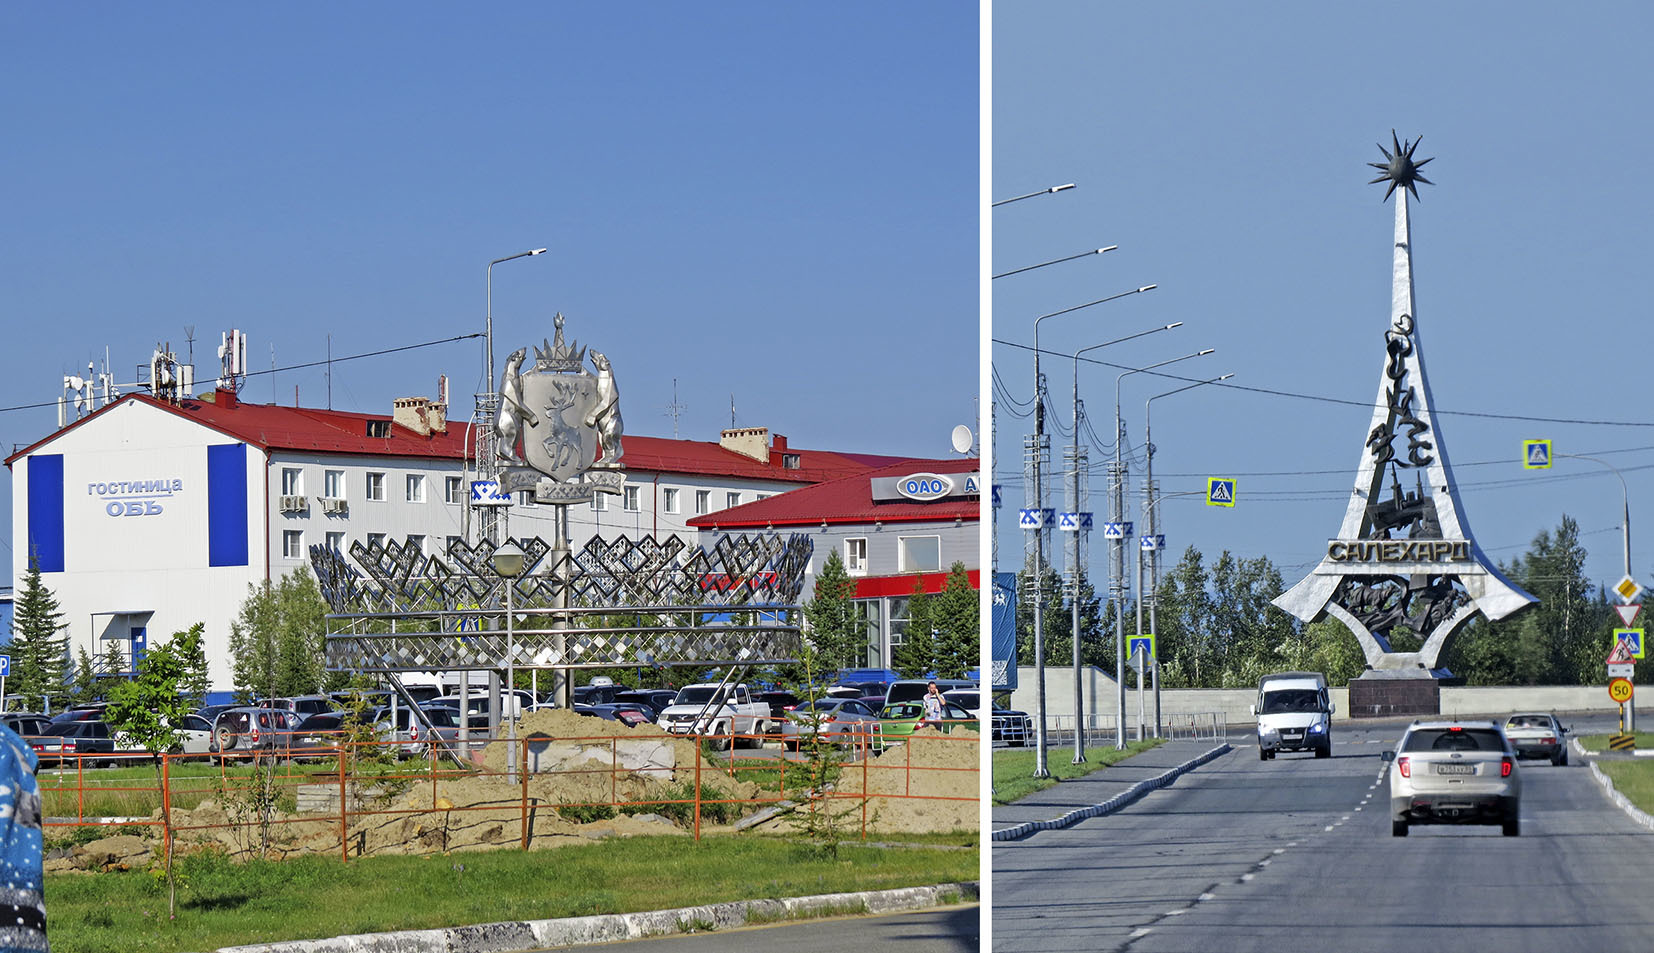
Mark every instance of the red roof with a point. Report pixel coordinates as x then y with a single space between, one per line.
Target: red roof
275 427
850 500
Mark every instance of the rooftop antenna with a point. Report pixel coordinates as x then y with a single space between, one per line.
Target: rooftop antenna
330 371
675 409
963 439
732 411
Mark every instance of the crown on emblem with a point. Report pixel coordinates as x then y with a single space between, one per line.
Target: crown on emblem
558 357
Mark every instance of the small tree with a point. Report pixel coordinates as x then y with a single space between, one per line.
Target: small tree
83 686
916 656
278 640
146 709
39 651
957 612
834 630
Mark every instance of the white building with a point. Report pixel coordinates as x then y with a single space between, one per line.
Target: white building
147 517
897 528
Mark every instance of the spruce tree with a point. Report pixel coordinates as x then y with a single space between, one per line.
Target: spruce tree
957 612
916 656
39 649
835 632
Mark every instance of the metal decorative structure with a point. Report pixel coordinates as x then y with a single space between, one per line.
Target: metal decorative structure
618 602
1409 560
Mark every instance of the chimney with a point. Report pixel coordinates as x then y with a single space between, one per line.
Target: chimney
751 442
409 413
436 417
226 398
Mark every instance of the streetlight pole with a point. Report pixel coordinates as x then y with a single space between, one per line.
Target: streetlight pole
1077 558
1055 261
488 403
1118 586
1630 706
1151 510
1017 198
1041 769
508 562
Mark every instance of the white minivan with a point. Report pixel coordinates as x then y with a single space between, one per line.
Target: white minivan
1294 713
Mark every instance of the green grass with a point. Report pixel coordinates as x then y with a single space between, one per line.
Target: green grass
224 904
1645 741
1634 779
1014 769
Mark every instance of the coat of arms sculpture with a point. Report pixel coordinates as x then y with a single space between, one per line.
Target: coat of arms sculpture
559 431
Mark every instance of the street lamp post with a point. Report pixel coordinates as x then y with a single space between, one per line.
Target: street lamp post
1118 583
508 562
1077 556
1055 261
1151 510
489 401
1041 770
1017 198
1630 706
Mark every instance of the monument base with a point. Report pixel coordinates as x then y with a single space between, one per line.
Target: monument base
1378 694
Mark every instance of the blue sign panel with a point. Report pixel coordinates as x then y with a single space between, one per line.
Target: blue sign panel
1005 632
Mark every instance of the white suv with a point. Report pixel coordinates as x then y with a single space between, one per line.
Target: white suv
1454 772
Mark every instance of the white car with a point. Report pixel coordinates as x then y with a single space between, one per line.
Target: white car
1454 772
1537 734
197 736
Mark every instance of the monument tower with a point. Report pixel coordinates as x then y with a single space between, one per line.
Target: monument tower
1405 560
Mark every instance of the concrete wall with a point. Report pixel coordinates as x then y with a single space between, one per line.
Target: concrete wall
1235 703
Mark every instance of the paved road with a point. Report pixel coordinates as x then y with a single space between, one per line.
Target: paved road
945 930
1296 854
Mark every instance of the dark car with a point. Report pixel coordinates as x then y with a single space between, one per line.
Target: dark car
89 742
26 723
780 703
628 715
90 712
654 699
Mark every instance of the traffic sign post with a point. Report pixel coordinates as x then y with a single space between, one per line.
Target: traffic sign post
5 669
1620 690
1536 454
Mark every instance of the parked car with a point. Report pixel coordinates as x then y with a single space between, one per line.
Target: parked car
90 742
725 714
631 716
26 723
318 735
197 732
600 691
1537 734
303 704
1454 772
904 718
255 731
844 721
914 689
1015 728
654 699
410 736
780 703
88 712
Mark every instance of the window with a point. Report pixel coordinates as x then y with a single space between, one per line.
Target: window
855 555
376 539
455 490
703 502
629 500
292 543
416 488
336 541
417 543
333 484
732 498
669 500
292 481
919 554
376 487
600 501
762 496
451 542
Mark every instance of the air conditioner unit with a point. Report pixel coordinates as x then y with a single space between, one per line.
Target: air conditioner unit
294 504
334 506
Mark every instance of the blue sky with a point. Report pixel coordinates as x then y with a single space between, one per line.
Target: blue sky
772 201
1224 149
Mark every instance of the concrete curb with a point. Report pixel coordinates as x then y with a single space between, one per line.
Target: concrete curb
1631 810
1114 803
520 935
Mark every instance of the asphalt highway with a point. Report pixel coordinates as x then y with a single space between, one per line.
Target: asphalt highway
1296 854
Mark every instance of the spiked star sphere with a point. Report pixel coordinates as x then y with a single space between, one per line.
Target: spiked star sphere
1399 167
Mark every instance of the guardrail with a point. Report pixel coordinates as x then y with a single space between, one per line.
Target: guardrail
1185 726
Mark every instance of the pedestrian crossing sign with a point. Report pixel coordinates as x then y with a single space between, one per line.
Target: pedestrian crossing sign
1536 454
1220 492
1633 639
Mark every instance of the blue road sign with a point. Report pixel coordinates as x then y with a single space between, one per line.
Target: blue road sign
1634 639
5 665
1145 642
1220 492
1536 454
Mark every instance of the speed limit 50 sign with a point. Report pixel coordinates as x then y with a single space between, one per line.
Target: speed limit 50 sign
1619 689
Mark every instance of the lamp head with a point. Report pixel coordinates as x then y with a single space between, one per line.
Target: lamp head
508 560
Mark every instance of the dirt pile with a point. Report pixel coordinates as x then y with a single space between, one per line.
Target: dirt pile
931 783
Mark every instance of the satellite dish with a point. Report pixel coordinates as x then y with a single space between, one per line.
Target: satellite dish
962 439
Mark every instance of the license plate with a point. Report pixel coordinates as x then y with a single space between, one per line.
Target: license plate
1455 769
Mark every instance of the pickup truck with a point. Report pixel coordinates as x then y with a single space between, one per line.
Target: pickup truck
723 715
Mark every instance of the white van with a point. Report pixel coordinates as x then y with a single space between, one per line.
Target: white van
1294 713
